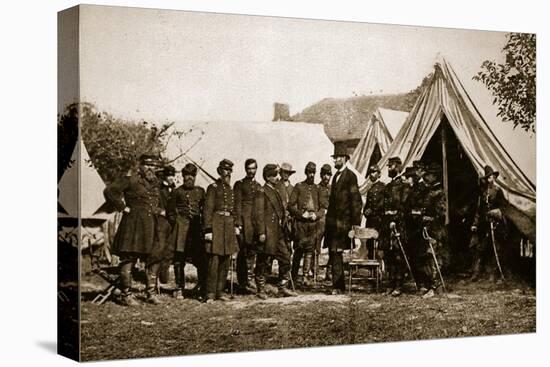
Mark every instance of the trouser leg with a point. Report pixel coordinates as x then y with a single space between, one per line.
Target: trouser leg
179 274
242 269
308 258
338 281
201 263
223 269
262 264
152 272
125 270
212 276
296 260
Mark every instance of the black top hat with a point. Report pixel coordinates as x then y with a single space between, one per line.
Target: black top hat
226 164
488 171
340 151
189 169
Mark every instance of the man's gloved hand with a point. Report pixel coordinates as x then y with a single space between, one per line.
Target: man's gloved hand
494 214
427 219
208 237
313 216
392 225
262 238
473 229
126 210
305 215
237 231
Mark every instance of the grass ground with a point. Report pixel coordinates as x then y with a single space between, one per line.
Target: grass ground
179 327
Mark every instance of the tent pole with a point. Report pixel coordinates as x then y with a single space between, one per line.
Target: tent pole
445 171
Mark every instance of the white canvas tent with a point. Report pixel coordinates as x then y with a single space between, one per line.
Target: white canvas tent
444 99
207 143
87 182
381 130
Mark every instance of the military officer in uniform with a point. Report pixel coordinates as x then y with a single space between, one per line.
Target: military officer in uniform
285 190
414 198
393 228
305 208
185 213
324 190
221 227
245 192
373 210
138 197
489 210
166 178
433 223
269 221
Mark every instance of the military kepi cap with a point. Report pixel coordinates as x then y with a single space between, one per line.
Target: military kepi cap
418 164
326 169
409 172
433 168
395 160
149 160
226 164
169 171
311 167
373 168
189 169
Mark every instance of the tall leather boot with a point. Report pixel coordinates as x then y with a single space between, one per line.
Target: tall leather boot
308 257
296 259
152 277
282 286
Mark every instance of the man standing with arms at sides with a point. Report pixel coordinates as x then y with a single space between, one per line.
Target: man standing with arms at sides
393 228
344 211
166 176
245 192
138 197
305 207
221 227
324 191
185 213
374 204
285 190
489 212
269 220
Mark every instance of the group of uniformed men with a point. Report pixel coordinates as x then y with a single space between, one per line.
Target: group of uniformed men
163 225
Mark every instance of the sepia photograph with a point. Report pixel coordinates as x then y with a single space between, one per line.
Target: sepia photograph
235 183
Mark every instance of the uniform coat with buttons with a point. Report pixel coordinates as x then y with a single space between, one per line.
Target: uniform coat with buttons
185 212
138 228
324 192
394 211
245 192
221 216
374 205
306 197
269 217
344 210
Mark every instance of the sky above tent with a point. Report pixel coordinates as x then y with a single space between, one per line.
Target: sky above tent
173 65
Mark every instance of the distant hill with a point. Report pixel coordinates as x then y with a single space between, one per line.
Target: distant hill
346 118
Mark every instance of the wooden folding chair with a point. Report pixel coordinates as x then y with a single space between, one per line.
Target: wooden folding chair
360 258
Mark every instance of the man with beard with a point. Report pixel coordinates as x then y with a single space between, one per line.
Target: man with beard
185 213
245 192
489 210
269 220
166 178
305 207
324 191
138 197
344 211
393 229
221 227
414 199
433 222
374 203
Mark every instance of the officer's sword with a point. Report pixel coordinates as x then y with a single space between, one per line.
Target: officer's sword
428 238
495 248
396 235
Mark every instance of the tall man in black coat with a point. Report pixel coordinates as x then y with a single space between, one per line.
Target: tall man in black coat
344 211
